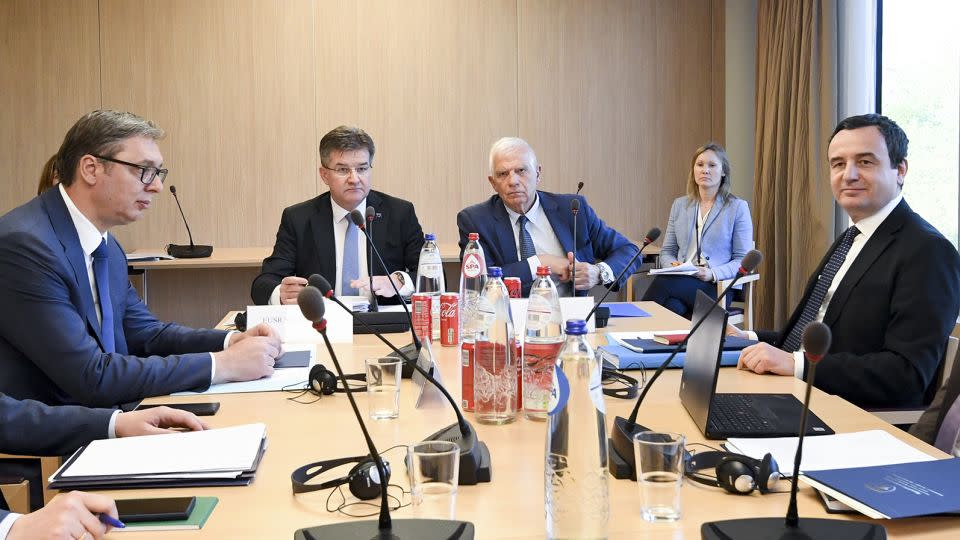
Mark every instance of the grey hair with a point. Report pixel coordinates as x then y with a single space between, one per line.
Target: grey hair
507 144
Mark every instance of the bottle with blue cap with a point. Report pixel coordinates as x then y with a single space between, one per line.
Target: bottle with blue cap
495 371
577 499
430 279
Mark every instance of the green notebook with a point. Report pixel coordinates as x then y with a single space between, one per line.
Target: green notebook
201 511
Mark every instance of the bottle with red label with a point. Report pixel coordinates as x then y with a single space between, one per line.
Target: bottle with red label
495 370
473 275
543 337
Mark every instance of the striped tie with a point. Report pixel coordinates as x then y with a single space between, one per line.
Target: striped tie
526 241
815 300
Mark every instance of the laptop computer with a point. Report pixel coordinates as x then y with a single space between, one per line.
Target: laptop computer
721 416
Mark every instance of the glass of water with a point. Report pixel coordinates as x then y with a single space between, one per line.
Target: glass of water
659 462
383 387
434 468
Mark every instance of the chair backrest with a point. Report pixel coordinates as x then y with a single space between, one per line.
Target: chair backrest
948 432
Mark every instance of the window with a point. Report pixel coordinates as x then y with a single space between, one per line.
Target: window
919 88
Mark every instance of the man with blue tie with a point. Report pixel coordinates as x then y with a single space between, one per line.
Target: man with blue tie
318 237
521 228
889 288
72 328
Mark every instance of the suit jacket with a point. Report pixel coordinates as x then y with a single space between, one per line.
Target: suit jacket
51 346
33 428
305 243
890 316
727 234
595 241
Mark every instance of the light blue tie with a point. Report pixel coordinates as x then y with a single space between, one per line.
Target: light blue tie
351 261
101 275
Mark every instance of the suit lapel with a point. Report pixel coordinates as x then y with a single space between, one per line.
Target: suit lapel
70 241
875 246
561 222
380 232
712 216
503 230
321 224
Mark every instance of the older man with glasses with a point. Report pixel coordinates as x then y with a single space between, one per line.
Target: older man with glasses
72 328
318 237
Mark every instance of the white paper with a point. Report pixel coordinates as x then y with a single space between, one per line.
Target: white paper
216 450
826 452
685 269
570 308
293 327
281 379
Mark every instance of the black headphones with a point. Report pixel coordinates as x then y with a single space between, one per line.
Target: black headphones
735 473
363 478
323 382
628 389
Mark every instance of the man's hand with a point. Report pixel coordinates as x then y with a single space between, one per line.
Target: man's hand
156 421
765 358
559 266
68 517
250 356
290 287
588 275
381 285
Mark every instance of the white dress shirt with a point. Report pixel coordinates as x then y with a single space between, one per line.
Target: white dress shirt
867 227
6 524
90 238
341 218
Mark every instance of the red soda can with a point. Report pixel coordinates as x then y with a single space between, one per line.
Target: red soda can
420 307
513 286
467 358
449 319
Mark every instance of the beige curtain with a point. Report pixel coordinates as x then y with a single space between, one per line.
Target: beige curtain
796 112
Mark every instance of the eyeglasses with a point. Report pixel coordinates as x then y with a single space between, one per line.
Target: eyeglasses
147 174
344 172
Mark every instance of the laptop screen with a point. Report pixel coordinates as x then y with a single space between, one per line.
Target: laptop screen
701 363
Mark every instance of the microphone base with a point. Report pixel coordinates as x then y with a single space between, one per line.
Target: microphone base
776 528
601 317
384 322
412 352
189 252
621 463
401 529
474 455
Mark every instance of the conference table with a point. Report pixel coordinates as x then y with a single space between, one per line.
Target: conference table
511 506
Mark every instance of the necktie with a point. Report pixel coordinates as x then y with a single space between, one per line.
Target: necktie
526 241
815 300
351 261
101 275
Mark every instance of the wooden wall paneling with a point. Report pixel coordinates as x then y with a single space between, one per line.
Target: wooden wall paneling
232 82
49 77
435 85
198 298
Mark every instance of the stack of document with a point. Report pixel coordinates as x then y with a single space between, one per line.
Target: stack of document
215 457
357 304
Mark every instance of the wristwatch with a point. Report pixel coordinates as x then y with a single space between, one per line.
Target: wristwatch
400 279
606 274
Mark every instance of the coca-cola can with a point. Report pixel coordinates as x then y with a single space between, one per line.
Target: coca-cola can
449 319
420 307
467 358
513 286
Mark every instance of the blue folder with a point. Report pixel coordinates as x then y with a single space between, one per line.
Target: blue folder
624 358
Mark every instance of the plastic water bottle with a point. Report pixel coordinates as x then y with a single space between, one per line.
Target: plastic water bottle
495 370
577 498
430 279
543 337
473 275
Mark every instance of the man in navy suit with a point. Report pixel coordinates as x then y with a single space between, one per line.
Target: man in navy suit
72 328
889 288
317 237
521 228
30 427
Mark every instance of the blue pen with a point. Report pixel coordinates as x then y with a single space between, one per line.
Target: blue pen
111 521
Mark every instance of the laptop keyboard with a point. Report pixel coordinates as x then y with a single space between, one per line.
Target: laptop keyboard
736 413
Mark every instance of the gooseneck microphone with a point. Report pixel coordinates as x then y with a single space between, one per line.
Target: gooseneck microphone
474 454
371 215
650 238
579 187
575 210
192 251
414 348
311 305
624 429
816 343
